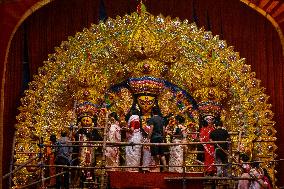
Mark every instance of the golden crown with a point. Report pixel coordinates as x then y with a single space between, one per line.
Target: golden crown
213 93
89 85
209 108
146 85
86 109
88 90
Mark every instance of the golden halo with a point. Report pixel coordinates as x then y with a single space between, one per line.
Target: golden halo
136 46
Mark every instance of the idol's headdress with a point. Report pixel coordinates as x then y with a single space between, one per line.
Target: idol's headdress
89 87
213 92
86 109
211 108
210 100
146 85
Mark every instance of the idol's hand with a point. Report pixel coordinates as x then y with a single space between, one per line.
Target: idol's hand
147 147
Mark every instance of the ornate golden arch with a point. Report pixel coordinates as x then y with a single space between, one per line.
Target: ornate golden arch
137 46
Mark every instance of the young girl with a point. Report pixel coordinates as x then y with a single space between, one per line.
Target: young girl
257 173
133 153
176 152
113 135
244 184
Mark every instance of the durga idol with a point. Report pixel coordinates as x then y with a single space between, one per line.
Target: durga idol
146 91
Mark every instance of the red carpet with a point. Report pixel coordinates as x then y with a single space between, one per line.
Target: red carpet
119 179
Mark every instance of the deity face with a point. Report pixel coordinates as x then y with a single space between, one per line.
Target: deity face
209 119
146 103
86 121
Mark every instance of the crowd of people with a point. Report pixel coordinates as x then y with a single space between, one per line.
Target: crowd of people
154 157
255 177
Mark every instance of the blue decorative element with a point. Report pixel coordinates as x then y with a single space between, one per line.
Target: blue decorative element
41 165
39 155
71 127
174 88
88 103
40 145
147 78
116 88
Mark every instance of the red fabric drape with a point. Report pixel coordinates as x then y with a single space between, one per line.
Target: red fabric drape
54 23
13 90
10 15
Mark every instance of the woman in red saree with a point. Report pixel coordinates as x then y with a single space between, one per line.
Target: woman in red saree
207 127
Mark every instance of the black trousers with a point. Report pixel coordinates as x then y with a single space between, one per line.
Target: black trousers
65 178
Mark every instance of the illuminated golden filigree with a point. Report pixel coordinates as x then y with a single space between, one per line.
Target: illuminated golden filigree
89 63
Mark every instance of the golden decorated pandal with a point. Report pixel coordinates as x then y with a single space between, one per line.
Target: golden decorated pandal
186 60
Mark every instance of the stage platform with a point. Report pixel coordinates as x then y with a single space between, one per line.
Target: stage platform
161 180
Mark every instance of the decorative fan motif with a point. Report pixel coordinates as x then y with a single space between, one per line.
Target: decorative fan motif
87 66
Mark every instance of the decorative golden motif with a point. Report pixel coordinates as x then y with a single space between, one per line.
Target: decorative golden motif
146 86
90 63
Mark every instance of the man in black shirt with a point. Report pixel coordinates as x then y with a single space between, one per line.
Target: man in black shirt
156 135
221 149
